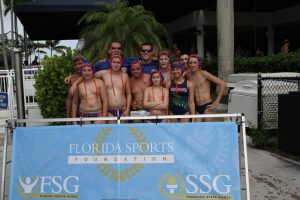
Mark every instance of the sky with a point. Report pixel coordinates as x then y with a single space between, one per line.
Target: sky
7 28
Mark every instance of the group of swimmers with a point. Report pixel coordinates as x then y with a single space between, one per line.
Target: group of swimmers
116 86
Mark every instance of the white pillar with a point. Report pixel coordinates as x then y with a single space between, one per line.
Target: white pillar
200 40
270 38
225 38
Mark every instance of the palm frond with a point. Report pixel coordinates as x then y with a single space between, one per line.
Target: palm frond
129 25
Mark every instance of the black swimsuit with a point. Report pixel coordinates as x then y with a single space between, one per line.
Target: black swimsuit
200 109
178 101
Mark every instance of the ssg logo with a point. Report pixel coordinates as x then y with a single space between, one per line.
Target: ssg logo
172 187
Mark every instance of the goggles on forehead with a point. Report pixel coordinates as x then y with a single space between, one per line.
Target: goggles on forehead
87 65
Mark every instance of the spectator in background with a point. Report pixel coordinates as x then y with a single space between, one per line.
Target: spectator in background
208 55
26 65
174 47
259 52
193 50
239 53
175 57
35 61
285 46
175 53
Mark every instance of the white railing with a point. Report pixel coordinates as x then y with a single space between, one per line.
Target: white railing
7 85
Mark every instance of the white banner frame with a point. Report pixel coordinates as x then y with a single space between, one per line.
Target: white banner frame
239 118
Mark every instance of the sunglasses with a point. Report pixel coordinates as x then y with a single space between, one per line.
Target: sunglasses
146 50
116 48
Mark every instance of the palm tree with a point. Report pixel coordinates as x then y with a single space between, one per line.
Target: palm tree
53 46
7 4
33 46
129 25
225 29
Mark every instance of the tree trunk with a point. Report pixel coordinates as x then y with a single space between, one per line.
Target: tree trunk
225 30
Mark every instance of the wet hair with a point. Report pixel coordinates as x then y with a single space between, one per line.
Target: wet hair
116 56
136 62
177 64
87 65
163 53
184 53
196 56
157 72
79 57
285 41
116 41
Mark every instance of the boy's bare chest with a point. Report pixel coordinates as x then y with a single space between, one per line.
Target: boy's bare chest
198 81
115 82
85 89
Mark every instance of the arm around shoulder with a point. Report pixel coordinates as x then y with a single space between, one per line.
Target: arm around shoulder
73 88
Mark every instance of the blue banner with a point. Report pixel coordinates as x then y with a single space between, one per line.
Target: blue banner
3 100
126 161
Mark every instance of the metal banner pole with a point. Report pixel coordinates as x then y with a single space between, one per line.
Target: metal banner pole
4 162
246 157
19 84
10 94
127 118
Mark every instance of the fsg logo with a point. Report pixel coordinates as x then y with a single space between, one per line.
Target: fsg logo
38 185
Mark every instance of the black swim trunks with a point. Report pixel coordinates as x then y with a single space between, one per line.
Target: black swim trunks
200 109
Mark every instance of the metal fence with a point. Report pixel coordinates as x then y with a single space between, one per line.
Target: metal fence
268 90
7 85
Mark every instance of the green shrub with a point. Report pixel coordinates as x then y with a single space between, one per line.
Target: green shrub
274 63
260 137
51 91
